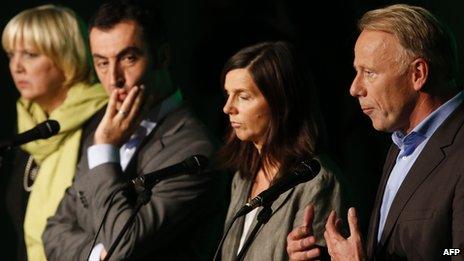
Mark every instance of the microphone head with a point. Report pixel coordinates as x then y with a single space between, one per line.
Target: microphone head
48 128
196 164
303 172
308 169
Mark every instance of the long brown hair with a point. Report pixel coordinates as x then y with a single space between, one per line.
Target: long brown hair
295 129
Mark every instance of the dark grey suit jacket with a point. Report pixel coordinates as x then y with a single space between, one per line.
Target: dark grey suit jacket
427 214
181 221
324 192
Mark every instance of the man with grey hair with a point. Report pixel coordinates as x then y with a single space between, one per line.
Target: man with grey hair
406 71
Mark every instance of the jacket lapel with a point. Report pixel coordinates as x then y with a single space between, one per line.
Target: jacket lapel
431 156
153 141
374 220
131 168
234 236
280 201
237 229
428 160
275 206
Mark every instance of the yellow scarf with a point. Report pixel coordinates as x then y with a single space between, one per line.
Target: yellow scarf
56 156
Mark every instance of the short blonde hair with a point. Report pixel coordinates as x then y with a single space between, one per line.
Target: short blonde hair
56 32
420 34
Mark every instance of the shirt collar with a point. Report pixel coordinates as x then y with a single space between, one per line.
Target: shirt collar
425 129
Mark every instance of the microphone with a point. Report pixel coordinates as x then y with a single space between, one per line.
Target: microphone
305 171
43 130
192 165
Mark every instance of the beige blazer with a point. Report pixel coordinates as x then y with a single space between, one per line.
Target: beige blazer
324 191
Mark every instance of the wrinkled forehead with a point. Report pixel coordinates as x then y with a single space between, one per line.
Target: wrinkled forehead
376 46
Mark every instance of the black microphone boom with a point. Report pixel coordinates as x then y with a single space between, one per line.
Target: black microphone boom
43 130
304 172
191 165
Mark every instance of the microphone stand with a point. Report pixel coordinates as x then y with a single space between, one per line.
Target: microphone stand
263 218
143 197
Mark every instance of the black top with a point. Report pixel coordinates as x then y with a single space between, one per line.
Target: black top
14 197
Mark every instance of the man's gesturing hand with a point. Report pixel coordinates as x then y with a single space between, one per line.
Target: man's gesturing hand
341 248
301 242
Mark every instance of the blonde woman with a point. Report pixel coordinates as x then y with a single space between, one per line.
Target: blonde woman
50 64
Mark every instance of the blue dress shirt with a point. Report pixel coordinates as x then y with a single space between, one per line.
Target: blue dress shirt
411 145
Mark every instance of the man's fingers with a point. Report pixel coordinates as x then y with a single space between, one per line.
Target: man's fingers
298 233
111 107
301 244
330 227
128 102
135 108
116 125
306 255
353 223
308 216
327 238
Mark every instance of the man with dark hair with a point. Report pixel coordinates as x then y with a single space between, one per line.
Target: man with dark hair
145 128
406 82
